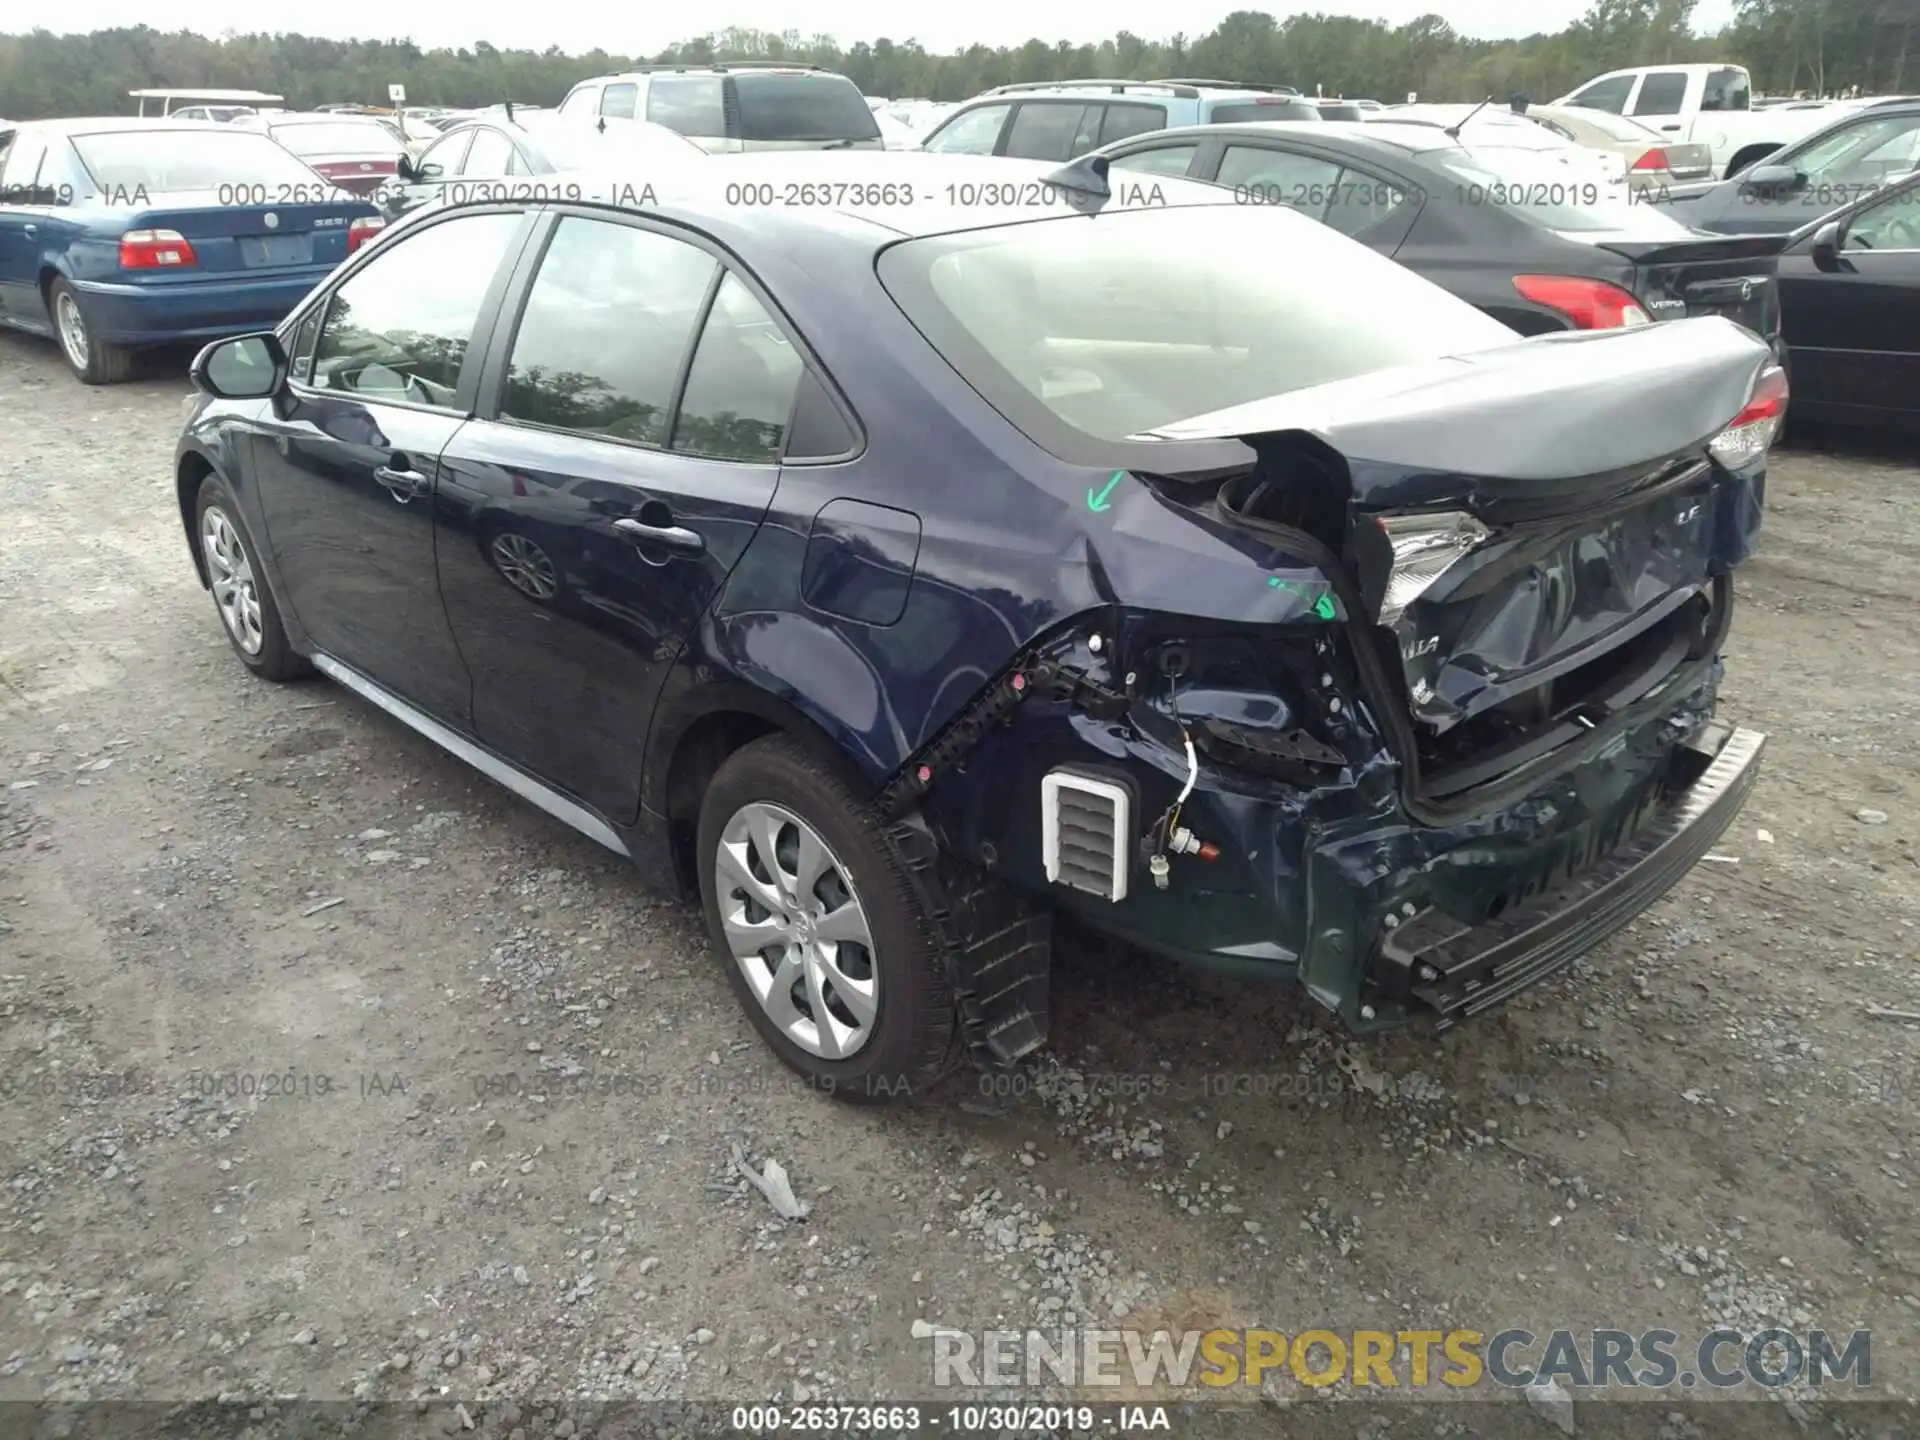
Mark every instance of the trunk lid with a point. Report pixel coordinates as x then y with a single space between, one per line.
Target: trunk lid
1533 532
1689 161
249 239
1732 276
361 174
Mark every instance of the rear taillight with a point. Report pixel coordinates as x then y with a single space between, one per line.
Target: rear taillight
1654 159
1423 547
1589 304
155 250
366 228
1750 433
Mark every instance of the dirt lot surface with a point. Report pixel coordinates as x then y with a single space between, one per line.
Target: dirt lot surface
495 1165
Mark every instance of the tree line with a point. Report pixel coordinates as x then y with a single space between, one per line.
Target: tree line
1791 46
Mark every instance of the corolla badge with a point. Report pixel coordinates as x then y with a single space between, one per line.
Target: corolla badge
270 220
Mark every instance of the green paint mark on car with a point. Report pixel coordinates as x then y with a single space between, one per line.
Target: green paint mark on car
1099 502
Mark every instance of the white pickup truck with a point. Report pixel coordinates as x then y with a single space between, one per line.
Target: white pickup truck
1710 105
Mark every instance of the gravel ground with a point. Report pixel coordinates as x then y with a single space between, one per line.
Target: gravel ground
510 1081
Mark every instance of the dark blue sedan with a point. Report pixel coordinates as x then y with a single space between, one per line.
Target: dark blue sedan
895 550
117 234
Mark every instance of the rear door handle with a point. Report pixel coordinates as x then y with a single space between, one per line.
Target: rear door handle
674 537
29 231
403 485
1669 127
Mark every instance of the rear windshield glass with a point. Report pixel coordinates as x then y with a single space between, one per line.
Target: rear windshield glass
1565 195
187 160
1253 111
1102 329
803 107
337 138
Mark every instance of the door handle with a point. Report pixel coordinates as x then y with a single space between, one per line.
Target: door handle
1669 127
674 537
403 485
29 231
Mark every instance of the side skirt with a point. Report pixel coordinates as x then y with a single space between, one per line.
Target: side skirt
502 772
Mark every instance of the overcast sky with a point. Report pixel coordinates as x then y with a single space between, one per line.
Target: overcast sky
624 29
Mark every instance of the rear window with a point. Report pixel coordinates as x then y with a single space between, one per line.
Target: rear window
1099 330
689 104
187 160
1251 110
1564 195
803 107
336 138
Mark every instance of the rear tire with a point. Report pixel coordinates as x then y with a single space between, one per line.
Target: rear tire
94 362
240 593
889 1027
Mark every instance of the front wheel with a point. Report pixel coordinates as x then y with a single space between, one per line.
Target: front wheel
94 362
240 593
819 929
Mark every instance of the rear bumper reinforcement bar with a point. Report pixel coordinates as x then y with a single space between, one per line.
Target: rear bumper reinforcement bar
1456 971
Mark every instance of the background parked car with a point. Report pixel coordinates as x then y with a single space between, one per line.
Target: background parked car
1708 104
147 232
493 150
1536 242
1492 126
1850 311
163 103
1862 150
358 153
736 107
221 113
1064 121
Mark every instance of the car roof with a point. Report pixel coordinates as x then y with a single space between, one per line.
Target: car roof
868 186
112 124
736 69
1404 136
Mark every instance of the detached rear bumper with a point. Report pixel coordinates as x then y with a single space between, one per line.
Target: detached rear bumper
1434 963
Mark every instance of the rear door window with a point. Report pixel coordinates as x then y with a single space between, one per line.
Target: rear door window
1259 176
740 389
1609 95
1124 120
804 107
1045 129
606 331
1162 160
1663 92
690 104
23 167
1361 203
974 133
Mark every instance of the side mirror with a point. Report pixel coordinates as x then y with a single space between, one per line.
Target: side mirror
1826 247
1774 178
247 367
406 169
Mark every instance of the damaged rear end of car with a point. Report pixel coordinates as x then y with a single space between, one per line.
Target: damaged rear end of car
1463 727
1405 686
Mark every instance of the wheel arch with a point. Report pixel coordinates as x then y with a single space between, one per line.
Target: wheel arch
190 473
692 738
1749 154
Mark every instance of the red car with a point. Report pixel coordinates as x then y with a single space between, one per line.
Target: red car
358 153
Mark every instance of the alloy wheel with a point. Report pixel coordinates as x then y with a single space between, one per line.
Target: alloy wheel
797 931
73 330
231 573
